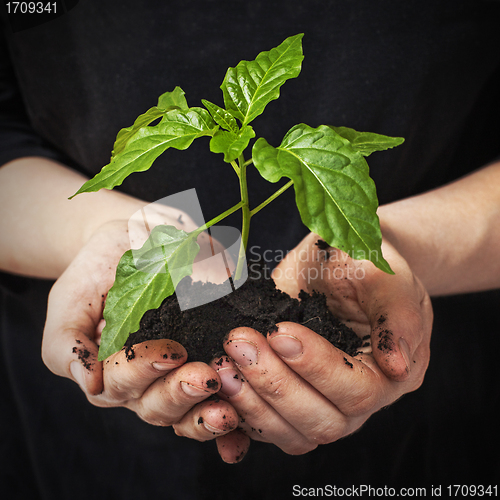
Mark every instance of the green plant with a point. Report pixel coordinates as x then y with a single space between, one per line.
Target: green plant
334 193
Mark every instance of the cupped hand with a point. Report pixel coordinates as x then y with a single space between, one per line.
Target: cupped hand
295 389
153 379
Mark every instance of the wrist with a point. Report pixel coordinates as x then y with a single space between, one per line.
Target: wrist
43 230
405 231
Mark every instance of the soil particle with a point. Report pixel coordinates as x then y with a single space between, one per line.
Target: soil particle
386 343
257 304
324 247
348 363
212 383
200 420
83 356
220 361
129 353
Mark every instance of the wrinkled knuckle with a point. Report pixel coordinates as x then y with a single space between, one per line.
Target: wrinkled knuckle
274 387
155 418
362 404
327 435
120 392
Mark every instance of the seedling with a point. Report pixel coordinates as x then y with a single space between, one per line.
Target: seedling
334 193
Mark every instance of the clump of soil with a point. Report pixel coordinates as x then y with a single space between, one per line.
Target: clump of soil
257 304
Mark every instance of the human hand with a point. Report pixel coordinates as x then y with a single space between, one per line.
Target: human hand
295 389
154 380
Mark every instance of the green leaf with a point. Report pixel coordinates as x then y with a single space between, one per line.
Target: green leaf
173 100
368 142
144 278
334 193
177 129
231 144
223 118
249 87
166 102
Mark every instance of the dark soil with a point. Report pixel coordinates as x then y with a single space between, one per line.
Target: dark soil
256 304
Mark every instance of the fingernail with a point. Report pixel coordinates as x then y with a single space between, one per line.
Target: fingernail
76 370
163 366
231 381
243 352
192 390
286 346
213 430
405 351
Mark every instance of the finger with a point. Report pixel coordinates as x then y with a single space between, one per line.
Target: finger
233 447
168 399
400 316
207 420
307 410
129 372
354 384
68 347
258 418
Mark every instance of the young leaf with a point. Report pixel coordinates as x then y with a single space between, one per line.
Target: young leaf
166 102
178 129
230 143
144 278
222 117
249 87
367 142
173 100
334 193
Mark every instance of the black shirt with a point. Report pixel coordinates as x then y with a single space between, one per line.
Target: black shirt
424 70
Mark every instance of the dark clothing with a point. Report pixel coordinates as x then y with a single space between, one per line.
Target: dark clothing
428 71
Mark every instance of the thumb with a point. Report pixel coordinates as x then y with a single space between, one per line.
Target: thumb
400 315
232 447
68 346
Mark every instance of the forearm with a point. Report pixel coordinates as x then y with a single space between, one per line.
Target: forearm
450 236
41 229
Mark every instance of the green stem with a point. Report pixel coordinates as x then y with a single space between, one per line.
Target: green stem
217 219
271 198
245 209
236 168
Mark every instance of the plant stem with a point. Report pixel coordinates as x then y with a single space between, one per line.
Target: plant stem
241 170
271 198
245 209
236 168
217 219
